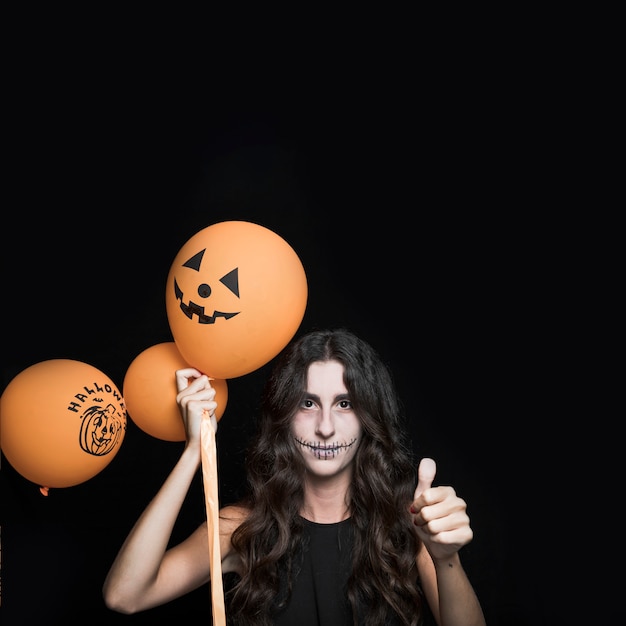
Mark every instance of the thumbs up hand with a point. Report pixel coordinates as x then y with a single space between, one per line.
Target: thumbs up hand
439 515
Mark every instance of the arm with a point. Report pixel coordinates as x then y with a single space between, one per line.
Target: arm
145 573
442 524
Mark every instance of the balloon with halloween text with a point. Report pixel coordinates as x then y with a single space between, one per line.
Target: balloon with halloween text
236 294
62 421
150 392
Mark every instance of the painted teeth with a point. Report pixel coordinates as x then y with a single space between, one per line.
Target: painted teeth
318 447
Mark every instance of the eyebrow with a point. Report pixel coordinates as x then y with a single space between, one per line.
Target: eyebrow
316 398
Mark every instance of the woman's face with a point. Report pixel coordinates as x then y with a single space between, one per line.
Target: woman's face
325 427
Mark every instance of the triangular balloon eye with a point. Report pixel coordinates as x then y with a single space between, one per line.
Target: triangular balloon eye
195 260
231 280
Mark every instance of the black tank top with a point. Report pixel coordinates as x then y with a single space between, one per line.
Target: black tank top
319 596
319 593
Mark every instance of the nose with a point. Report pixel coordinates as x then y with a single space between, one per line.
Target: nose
325 427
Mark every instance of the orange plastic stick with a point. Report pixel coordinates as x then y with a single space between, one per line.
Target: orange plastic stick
209 474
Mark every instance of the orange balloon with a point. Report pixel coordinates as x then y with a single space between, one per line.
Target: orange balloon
150 392
235 296
62 422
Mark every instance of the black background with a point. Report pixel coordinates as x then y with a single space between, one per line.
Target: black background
415 220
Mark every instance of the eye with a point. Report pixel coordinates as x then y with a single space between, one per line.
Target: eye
231 280
345 404
307 403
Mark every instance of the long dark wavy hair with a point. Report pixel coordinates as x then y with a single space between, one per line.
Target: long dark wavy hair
384 581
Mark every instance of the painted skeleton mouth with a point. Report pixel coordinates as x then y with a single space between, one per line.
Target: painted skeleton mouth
326 450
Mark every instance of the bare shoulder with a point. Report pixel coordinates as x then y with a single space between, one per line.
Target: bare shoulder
232 516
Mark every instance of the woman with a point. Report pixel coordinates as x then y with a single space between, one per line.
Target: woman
334 529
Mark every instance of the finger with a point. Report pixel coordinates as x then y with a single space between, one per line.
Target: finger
425 475
208 409
183 377
199 391
199 407
213 419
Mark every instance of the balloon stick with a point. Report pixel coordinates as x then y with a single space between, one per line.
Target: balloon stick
209 474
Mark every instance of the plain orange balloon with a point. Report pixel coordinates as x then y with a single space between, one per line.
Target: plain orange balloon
235 296
62 422
150 392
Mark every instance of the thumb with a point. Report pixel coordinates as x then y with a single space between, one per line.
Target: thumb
425 475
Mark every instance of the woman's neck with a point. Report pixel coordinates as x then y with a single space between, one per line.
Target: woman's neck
326 501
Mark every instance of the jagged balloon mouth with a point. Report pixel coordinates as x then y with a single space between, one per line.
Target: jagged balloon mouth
192 309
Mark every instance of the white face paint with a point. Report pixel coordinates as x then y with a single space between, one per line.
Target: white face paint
325 426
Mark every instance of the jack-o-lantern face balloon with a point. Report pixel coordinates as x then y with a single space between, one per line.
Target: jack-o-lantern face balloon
235 296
